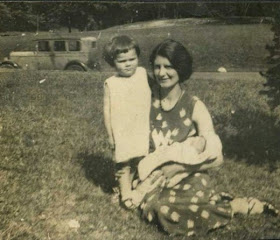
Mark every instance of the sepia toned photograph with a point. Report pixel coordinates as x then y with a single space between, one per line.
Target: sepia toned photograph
139 120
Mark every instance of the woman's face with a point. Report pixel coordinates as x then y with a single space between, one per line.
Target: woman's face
166 76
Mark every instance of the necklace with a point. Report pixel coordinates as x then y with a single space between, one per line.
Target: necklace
172 106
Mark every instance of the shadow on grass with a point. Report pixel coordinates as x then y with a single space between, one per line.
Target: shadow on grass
251 136
99 169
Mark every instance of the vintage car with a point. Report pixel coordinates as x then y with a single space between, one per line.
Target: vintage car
56 53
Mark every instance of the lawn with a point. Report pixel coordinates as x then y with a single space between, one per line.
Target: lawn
56 175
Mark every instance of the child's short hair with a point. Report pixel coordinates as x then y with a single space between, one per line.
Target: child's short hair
117 45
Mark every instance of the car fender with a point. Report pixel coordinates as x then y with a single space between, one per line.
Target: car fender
15 65
76 62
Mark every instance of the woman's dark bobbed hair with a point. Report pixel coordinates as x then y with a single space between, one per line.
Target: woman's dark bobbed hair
177 55
117 45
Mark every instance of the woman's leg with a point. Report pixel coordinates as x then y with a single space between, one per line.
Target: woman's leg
251 206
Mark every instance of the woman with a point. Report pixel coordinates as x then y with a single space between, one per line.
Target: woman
175 189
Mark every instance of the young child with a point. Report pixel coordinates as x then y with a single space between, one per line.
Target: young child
127 99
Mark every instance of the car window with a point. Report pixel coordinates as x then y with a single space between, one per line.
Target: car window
59 46
74 45
93 44
43 46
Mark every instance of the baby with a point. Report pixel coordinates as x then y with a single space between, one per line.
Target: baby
166 166
173 159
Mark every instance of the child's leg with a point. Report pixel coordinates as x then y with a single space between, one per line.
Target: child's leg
125 182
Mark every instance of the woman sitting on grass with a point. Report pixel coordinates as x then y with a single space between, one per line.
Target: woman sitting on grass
173 188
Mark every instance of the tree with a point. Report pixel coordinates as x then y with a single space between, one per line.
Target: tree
17 17
273 74
6 18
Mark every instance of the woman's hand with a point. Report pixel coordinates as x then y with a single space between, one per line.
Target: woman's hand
212 154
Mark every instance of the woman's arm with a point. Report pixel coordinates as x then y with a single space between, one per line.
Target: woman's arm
212 155
107 116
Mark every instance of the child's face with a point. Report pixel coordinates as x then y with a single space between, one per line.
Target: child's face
126 63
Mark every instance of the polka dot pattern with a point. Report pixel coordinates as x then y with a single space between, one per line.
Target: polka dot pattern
164 209
159 117
172 193
156 103
205 214
164 124
182 113
204 182
194 199
187 122
172 199
187 203
175 216
192 132
212 202
214 198
187 187
190 224
175 132
200 194
193 208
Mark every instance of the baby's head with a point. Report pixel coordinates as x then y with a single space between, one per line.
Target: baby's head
122 53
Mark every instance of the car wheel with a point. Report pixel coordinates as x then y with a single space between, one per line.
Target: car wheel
7 66
75 67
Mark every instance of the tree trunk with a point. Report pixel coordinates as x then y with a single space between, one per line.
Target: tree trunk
69 24
37 24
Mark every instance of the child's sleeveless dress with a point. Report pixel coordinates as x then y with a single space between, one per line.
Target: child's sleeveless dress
192 206
130 101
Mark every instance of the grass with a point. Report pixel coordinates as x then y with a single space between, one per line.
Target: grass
56 175
237 47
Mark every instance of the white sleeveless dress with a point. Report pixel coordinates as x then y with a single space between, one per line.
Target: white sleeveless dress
130 101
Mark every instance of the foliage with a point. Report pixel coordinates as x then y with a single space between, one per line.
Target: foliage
35 16
273 74
17 16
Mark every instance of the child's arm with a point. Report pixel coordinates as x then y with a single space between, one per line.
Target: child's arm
107 116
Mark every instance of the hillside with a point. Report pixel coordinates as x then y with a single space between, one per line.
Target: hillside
236 46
